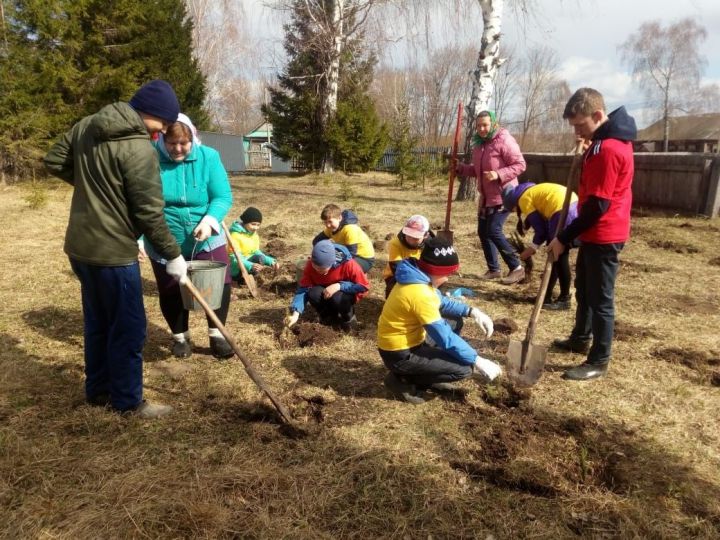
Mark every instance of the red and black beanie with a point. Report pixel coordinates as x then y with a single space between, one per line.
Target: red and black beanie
438 258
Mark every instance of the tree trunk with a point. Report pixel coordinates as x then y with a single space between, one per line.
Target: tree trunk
333 75
666 120
482 86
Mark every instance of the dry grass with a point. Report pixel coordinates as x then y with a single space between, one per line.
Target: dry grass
633 455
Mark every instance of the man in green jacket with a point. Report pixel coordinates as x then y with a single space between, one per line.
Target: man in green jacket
110 161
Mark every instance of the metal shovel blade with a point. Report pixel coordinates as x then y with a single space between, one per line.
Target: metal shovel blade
445 234
530 373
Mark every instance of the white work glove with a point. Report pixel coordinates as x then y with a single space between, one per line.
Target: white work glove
483 321
292 319
203 231
486 368
177 268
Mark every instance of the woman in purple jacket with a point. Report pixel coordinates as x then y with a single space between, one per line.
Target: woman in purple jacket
496 163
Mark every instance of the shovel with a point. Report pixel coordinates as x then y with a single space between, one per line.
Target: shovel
525 360
446 233
284 414
249 278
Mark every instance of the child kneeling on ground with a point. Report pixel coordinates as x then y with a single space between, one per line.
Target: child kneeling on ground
245 233
333 282
407 243
415 311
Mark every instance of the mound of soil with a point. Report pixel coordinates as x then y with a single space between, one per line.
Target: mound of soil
685 303
389 236
714 262
307 334
277 248
705 363
277 230
379 245
505 326
306 408
642 267
504 395
625 331
669 245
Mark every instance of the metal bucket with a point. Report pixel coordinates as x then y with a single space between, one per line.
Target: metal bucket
209 279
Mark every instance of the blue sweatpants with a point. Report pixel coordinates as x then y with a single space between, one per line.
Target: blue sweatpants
115 331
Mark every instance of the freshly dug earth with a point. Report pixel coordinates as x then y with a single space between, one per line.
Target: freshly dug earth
633 455
673 246
308 334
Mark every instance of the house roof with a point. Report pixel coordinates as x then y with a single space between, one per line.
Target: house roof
263 131
691 127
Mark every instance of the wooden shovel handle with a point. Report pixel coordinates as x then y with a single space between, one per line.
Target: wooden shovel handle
249 280
574 169
284 414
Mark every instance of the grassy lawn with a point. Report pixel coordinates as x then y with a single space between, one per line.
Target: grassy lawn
634 455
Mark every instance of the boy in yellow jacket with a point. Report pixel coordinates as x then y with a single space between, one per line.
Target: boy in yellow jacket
341 227
409 242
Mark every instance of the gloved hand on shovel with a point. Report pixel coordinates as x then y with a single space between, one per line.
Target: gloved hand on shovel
292 319
177 268
483 321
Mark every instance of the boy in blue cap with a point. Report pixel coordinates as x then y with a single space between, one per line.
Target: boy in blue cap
333 282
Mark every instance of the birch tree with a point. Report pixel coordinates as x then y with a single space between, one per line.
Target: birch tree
483 77
666 63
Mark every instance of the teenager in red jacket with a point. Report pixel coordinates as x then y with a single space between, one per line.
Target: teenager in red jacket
602 226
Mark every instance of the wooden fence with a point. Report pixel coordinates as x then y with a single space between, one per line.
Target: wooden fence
687 183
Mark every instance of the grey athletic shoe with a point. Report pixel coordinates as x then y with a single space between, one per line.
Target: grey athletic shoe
150 411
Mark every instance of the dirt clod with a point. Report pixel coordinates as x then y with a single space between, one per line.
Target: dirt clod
277 230
505 326
379 245
389 236
504 395
669 245
703 363
714 262
307 334
277 248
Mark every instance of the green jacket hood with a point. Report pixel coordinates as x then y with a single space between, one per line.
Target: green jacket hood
118 121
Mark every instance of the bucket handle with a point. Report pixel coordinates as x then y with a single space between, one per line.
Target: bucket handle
192 254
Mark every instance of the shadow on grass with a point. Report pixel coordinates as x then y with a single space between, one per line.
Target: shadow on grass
67 325
356 378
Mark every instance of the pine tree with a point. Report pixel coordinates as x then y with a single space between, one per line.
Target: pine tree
67 58
354 139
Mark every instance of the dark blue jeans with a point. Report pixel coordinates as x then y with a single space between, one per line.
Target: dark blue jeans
490 231
115 330
427 364
595 273
339 305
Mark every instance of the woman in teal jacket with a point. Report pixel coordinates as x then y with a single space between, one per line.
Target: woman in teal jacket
197 198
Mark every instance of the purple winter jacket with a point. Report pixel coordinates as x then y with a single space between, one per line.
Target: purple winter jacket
502 155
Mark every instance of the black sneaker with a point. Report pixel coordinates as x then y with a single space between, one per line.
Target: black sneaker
557 305
347 326
220 348
402 390
181 349
572 345
585 372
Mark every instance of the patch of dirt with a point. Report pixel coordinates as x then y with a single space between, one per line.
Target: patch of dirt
625 331
277 248
366 228
505 326
307 334
705 363
669 245
277 230
389 236
509 295
714 262
642 267
685 303
504 395
306 408
379 245
173 370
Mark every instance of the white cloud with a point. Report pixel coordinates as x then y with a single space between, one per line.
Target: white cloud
615 85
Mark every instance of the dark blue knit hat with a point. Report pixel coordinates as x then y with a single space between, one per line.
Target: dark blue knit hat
157 98
323 253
